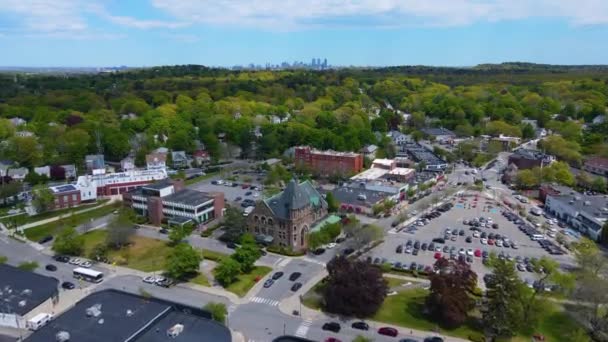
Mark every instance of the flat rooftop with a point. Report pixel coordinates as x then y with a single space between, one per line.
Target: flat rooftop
352 195
127 317
188 197
21 291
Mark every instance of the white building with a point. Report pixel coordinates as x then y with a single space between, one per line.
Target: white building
586 214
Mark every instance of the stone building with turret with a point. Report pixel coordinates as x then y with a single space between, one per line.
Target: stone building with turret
285 219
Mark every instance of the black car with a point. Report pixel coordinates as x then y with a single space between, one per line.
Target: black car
165 282
469 239
296 286
395 224
45 239
415 252
408 243
248 193
433 339
455 232
438 240
50 267
163 231
332 326
318 251
277 275
399 249
495 225
231 245
340 240
413 266
461 232
238 198
417 245
360 326
446 249
348 251
424 246
484 235
67 285
61 258
294 276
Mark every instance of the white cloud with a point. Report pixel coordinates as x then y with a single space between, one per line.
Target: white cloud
288 14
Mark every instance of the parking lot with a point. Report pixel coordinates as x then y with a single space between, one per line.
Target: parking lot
234 191
468 207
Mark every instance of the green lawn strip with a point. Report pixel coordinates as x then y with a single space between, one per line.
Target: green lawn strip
246 281
144 254
23 218
395 282
312 298
200 279
213 256
406 309
52 228
554 323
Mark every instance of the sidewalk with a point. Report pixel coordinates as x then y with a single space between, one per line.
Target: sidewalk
56 218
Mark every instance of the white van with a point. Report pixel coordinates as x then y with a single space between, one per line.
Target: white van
248 211
537 237
38 321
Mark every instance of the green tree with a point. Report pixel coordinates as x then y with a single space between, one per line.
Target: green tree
119 231
43 199
332 203
504 309
183 261
227 271
233 225
217 310
246 255
528 132
69 242
527 179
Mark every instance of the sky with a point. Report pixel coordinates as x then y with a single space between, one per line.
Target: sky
81 33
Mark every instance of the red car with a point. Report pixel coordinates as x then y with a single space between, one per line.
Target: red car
244 186
478 253
490 242
388 331
437 255
332 339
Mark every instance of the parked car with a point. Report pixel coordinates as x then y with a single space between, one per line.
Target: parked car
61 258
50 267
294 276
277 275
268 283
163 231
68 285
360 325
388 331
331 326
45 239
86 264
296 286
318 251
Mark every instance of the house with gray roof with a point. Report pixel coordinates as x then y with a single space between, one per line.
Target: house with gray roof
180 160
18 173
286 218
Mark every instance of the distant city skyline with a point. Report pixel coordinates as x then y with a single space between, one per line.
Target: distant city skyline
99 33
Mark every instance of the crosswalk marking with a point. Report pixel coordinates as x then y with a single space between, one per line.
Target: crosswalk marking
303 328
314 261
284 262
266 301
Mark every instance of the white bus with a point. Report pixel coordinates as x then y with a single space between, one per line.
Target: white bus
88 275
38 321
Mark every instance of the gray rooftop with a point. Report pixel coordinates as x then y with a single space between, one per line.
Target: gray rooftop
593 206
129 317
188 197
159 185
529 154
295 196
350 195
438 131
21 291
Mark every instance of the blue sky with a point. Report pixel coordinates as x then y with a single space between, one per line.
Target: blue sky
346 32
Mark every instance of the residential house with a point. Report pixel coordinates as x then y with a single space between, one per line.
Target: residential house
4 166
369 151
43 171
156 161
201 157
286 218
600 119
70 171
18 174
399 138
441 135
597 165
127 164
179 159
95 163
24 134
16 121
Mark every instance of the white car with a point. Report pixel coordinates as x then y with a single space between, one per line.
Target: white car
149 279
255 194
462 251
484 241
330 245
408 250
470 252
551 234
476 234
75 261
499 243
86 264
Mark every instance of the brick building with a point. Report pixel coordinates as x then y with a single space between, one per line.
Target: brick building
528 159
327 163
286 218
66 196
169 200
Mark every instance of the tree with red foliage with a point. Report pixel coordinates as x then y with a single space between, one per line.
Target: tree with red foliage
57 172
353 288
73 120
450 297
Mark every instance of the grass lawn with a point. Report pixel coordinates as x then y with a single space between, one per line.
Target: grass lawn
405 309
212 255
200 279
395 282
554 324
144 254
23 218
312 298
52 228
246 281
